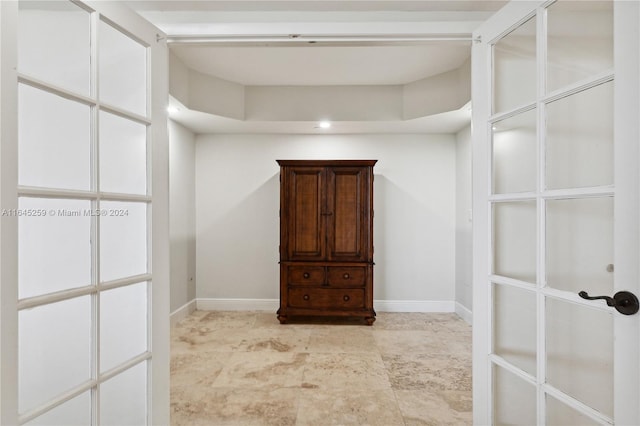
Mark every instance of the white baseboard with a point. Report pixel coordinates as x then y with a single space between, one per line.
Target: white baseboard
413 305
182 312
464 313
271 305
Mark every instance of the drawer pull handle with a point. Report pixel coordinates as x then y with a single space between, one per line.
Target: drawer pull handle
346 298
305 297
306 275
346 276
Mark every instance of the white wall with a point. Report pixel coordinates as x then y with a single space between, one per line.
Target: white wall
182 217
448 91
464 291
336 103
237 203
216 96
178 79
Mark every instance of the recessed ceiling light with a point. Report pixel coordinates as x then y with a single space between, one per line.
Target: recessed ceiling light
324 124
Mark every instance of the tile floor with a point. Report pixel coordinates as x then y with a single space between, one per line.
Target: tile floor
244 368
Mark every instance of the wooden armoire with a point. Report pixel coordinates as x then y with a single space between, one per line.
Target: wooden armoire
326 239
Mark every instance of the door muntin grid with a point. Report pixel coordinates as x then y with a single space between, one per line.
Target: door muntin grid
97 53
564 203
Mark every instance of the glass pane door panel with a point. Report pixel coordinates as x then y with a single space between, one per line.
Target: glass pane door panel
514 150
123 70
54 141
514 240
54 44
75 412
123 240
514 326
123 399
123 155
580 353
54 245
580 245
560 414
123 324
579 140
580 41
514 68
514 399
54 350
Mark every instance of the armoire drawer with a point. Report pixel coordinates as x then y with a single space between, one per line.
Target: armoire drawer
322 298
305 275
346 276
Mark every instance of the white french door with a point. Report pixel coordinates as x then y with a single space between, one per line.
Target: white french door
556 189
84 174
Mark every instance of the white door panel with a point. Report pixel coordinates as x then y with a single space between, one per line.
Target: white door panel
555 119
84 198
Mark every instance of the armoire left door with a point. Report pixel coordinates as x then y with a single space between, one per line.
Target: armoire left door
302 210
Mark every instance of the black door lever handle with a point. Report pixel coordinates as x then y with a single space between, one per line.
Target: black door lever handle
625 302
610 300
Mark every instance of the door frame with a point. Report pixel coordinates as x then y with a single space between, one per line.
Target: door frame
626 218
627 209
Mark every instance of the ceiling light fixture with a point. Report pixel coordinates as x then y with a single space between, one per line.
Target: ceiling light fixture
324 124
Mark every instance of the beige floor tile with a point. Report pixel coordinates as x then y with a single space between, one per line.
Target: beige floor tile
428 372
345 371
274 340
262 370
419 408
332 339
245 368
458 326
229 319
267 320
192 318
413 321
427 342
407 341
270 320
348 407
197 368
219 319
206 339
316 322
193 406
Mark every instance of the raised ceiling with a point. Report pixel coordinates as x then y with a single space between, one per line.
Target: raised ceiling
317 65
316 43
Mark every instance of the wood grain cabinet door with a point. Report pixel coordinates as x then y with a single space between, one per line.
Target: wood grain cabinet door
303 204
348 213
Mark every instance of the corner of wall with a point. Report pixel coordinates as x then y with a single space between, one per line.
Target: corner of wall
464 313
182 312
464 82
182 218
216 96
464 226
440 93
178 79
